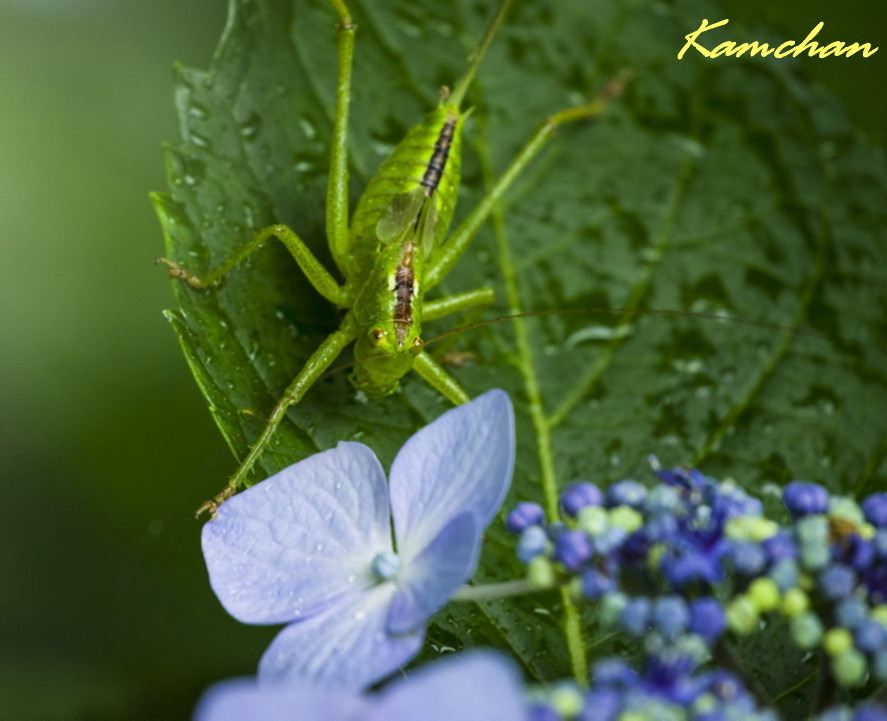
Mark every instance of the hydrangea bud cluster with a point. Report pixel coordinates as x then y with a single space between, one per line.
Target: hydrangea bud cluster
667 690
693 559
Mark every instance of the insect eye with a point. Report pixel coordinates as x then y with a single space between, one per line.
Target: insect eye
377 335
417 344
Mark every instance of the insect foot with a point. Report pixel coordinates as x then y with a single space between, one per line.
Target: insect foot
213 505
177 271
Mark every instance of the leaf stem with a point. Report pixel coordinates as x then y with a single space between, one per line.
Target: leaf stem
541 425
488 591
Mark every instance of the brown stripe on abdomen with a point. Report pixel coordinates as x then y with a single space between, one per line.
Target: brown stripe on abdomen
435 169
404 287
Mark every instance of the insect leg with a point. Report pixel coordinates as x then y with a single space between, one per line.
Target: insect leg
319 361
454 303
318 276
442 381
450 253
337 187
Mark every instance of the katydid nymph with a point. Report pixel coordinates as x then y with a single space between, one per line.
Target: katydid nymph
395 248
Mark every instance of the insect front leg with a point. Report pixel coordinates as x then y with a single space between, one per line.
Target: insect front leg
336 200
457 243
319 361
337 186
317 275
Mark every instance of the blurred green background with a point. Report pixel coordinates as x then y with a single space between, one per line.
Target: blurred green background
107 447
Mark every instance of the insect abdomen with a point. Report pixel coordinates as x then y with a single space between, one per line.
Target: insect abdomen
438 162
405 169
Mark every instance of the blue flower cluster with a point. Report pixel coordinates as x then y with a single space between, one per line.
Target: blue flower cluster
355 566
687 564
667 690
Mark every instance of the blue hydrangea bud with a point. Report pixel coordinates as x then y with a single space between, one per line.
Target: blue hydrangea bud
601 705
661 528
525 514
780 546
707 618
612 606
635 616
579 495
858 552
572 549
670 616
870 711
879 544
851 612
785 574
662 499
610 540
531 543
870 636
626 493
747 558
595 584
875 509
837 582
614 672
802 498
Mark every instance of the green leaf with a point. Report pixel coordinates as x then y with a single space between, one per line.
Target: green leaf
728 186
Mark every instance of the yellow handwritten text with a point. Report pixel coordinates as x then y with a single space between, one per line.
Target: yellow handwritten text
789 47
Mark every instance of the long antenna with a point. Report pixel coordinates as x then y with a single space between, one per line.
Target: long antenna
477 55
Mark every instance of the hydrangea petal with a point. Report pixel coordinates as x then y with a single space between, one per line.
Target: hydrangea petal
460 462
242 699
474 686
347 646
303 539
427 583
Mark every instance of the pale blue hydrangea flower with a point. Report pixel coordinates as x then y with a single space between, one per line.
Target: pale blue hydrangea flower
312 547
473 686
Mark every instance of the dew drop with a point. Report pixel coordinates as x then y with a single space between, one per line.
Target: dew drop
199 141
308 127
249 129
305 164
195 110
688 366
249 218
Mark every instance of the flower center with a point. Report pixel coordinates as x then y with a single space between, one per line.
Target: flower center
385 565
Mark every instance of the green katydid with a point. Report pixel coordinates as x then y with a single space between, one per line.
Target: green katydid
393 251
